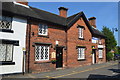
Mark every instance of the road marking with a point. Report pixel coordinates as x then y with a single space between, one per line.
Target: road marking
76 72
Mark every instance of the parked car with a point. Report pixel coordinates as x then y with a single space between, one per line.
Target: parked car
117 56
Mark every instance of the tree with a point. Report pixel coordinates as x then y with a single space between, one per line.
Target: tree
110 41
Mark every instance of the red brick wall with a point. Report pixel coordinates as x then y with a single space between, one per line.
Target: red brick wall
54 33
73 41
69 55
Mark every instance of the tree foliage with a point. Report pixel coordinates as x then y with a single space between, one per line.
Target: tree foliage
110 39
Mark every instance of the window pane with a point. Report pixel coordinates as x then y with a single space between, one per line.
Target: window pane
37 53
5 22
80 33
42 53
40 28
2 52
9 52
81 53
100 53
46 52
43 29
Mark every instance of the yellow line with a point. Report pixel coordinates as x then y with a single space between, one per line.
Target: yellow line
82 71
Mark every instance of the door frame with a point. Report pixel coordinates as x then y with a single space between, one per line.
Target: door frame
57 48
93 56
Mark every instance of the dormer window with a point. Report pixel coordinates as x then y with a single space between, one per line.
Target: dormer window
43 29
5 22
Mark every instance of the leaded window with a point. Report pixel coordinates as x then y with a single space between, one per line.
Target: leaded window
41 53
81 53
6 51
5 22
100 51
80 30
43 29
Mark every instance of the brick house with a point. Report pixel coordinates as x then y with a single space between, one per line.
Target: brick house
70 41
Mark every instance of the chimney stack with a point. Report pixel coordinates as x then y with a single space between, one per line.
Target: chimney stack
24 2
63 11
92 21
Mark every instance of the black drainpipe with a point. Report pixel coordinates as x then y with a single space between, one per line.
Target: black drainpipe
66 46
29 27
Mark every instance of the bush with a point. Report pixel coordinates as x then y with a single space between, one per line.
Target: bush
110 56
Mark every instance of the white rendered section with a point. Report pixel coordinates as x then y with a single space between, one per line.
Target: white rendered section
19 27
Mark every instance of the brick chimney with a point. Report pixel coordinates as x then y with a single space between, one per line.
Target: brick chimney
92 21
63 11
24 2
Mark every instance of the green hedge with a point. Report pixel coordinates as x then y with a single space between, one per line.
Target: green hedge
110 56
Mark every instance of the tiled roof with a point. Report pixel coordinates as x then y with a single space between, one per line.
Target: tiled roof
47 16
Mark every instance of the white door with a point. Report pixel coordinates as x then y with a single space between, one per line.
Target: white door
93 58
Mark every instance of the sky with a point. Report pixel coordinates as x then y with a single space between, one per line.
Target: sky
106 13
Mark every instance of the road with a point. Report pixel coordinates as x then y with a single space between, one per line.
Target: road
105 70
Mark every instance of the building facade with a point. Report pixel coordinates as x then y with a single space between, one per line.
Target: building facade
65 40
12 40
51 41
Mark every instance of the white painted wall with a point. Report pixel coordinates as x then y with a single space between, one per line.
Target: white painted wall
19 27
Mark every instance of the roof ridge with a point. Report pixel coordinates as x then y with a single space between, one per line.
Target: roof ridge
47 12
75 14
74 17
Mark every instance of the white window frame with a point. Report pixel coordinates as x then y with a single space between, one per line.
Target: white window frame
44 29
39 59
6 52
100 51
80 32
81 53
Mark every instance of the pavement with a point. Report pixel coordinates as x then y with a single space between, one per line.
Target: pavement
102 70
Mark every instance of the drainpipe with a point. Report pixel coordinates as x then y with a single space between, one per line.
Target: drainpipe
29 33
66 47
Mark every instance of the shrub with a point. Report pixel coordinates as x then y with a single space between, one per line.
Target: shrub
110 56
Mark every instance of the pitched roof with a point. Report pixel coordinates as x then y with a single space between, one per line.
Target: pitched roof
47 16
96 32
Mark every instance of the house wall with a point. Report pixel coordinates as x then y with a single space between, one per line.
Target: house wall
102 60
73 41
19 28
54 33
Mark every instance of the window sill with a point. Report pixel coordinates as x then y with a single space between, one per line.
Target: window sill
6 30
43 36
100 58
39 62
81 59
81 38
7 63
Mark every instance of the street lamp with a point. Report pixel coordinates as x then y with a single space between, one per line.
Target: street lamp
114 29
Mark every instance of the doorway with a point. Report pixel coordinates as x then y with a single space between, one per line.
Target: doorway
59 57
93 56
